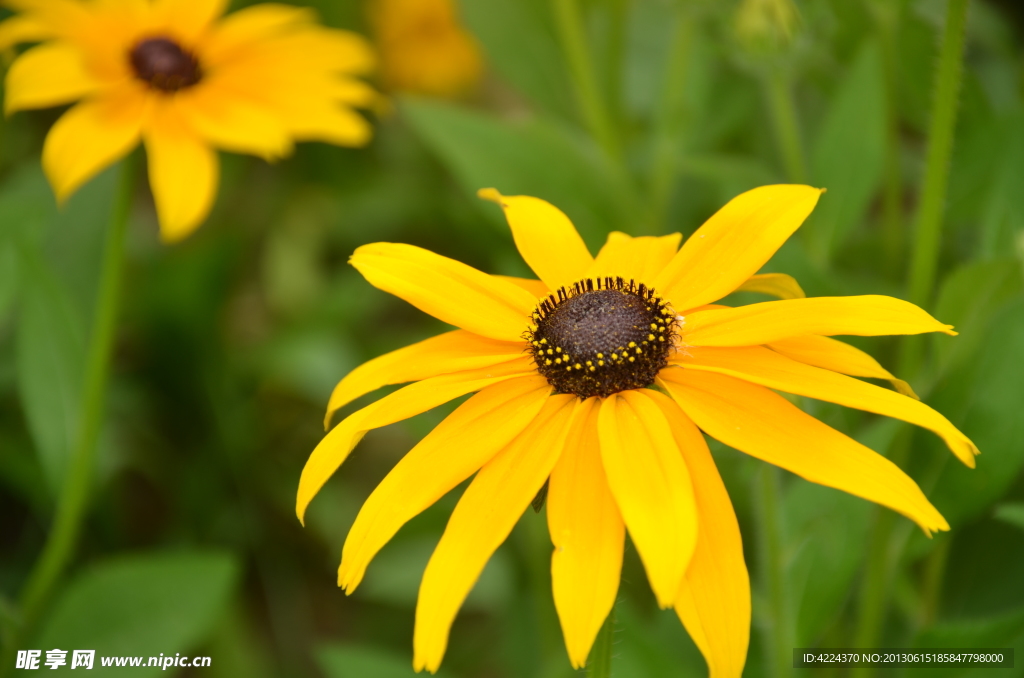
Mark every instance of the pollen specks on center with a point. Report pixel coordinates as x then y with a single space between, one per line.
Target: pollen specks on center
606 335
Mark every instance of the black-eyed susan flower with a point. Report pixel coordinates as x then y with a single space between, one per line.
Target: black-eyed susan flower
174 75
423 47
599 378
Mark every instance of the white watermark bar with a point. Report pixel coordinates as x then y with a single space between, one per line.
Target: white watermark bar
87 659
918 657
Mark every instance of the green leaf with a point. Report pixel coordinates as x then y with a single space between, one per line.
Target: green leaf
849 153
826 531
533 64
982 397
1011 512
142 606
359 661
968 300
1006 630
50 359
529 158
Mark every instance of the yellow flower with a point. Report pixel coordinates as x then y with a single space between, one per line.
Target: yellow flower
423 47
169 73
599 379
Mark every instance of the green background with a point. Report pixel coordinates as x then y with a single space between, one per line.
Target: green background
229 344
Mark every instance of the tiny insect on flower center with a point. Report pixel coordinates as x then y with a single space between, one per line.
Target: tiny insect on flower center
601 336
164 64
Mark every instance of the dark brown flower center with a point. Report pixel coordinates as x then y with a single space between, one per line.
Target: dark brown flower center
601 336
164 64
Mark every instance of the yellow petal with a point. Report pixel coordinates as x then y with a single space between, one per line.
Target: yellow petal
249 26
734 243
404 403
18 29
466 440
640 259
183 174
187 19
449 352
330 123
588 534
776 284
714 599
447 289
90 136
47 75
483 518
770 321
232 123
765 425
768 368
535 287
838 356
651 487
545 237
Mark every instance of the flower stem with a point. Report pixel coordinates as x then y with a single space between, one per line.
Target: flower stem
571 33
670 118
779 91
599 665
74 496
928 224
779 629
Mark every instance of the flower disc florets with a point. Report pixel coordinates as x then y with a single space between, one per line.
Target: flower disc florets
601 336
164 64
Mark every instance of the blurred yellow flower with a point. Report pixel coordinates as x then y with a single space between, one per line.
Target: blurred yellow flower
598 379
423 47
171 74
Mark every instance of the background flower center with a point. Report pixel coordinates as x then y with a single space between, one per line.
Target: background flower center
601 337
164 64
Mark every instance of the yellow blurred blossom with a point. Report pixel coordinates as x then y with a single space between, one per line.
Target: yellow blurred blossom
174 75
423 47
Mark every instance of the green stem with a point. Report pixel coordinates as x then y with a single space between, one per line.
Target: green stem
599 664
928 224
619 13
670 118
571 33
888 15
74 497
787 129
779 642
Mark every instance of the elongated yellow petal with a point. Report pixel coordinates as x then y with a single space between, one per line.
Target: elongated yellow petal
18 29
188 19
47 75
838 356
588 534
651 486
776 284
770 321
768 368
402 404
231 122
535 287
640 259
251 25
449 352
734 243
466 440
447 289
183 174
765 425
714 599
545 237
90 136
485 515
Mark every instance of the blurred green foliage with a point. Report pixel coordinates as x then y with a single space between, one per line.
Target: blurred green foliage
230 343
